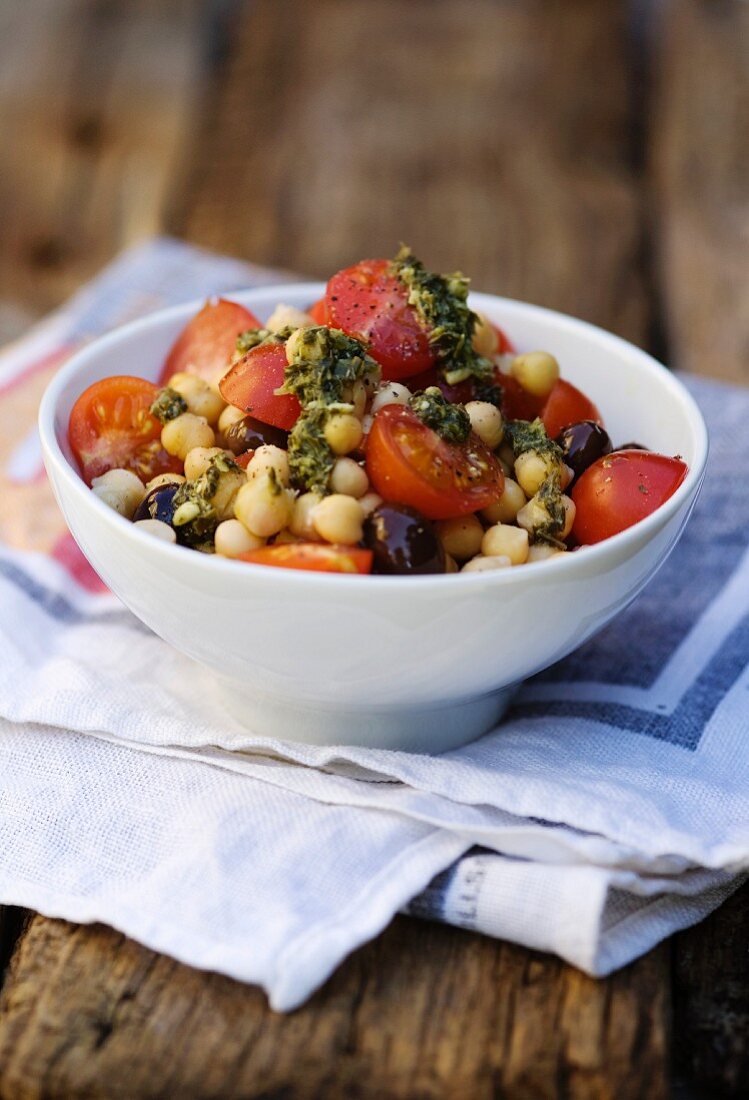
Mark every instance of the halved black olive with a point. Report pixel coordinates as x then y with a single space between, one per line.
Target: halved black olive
158 503
248 434
403 541
583 444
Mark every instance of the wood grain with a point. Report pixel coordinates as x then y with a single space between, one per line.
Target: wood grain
425 1011
494 136
711 1000
96 99
700 154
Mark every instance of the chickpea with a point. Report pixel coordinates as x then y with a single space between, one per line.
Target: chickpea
369 502
201 399
229 484
179 436
284 316
349 478
541 551
233 539
164 479
343 433
157 529
460 537
509 504
198 460
481 564
503 540
122 490
269 457
338 518
301 519
487 423
532 470
485 340
390 393
229 416
262 506
451 566
536 371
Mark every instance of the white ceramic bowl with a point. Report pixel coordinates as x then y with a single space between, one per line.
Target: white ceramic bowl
423 663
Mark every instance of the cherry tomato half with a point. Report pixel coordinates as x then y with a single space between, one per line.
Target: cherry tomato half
318 311
366 302
111 427
505 345
252 382
620 489
567 405
206 343
313 556
410 464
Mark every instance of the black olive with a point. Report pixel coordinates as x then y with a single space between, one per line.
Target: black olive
403 541
158 503
582 444
633 447
248 434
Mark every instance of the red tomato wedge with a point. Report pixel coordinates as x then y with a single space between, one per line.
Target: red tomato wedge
111 427
318 311
620 489
409 463
517 403
252 382
206 343
313 556
366 302
566 405
505 345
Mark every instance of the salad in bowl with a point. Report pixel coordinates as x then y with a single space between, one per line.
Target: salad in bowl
388 428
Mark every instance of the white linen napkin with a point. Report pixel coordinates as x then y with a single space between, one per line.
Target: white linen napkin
610 808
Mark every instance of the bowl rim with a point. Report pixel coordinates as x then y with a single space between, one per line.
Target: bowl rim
565 565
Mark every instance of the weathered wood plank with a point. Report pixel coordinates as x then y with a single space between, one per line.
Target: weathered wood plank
96 100
494 136
711 1000
425 1011
700 156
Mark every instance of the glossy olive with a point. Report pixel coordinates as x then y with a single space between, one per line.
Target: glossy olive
248 434
158 503
403 541
583 444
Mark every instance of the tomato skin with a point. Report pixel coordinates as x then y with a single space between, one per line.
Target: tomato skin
207 342
408 463
111 427
505 345
567 405
318 311
313 556
620 489
367 302
251 384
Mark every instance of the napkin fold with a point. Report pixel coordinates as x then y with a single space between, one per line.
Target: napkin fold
609 809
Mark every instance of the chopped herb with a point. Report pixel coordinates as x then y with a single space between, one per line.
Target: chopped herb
525 435
549 497
168 405
254 337
490 392
310 458
441 304
194 513
325 363
451 422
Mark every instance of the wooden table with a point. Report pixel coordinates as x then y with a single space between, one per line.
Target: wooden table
588 154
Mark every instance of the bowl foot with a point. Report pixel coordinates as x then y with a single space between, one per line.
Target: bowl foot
417 729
